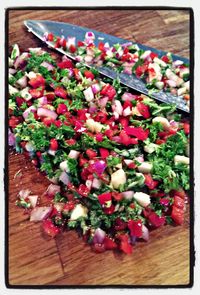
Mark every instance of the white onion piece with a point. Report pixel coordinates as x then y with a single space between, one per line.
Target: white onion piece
96 183
128 162
145 233
22 82
47 65
37 50
27 111
177 63
88 183
128 195
33 200
146 54
29 147
24 193
51 152
64 177
74 154
40 213
88 93
99 236
42 112
127 111
52 190
142 198
25 94
117 107
71 41
88 58
12 90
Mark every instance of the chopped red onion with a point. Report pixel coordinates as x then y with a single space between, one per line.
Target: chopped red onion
89 35
128 195
33 200
40 213
126 44
116 139
127 96
52 190
11 138
96 183
128 70
21 61
95 88
99 166
79 58
103 101
47 65
64 177
74 154
92 109
171 83
42 100
12 71
24 193
42 112
27 111
22 82
140 158
45 36
99 236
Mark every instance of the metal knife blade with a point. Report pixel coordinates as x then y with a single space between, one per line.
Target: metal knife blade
39 27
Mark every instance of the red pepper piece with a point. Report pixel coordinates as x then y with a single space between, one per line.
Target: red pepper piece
91 153
125 246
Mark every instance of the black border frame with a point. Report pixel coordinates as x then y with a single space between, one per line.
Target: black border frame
6 166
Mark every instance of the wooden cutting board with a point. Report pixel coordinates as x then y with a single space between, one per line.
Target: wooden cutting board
66 260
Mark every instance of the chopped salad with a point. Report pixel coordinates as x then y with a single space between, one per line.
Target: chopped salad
118 161
159 73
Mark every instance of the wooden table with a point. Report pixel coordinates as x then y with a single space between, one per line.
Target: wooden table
66 260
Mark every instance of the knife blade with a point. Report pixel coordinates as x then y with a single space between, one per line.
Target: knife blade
40 27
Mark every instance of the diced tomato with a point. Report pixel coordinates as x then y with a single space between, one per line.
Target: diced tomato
109 133
140 70
65 64
63 43
61 109
70 141
99 137
143 110
50 37
101 117
98 248
91 153
125 246
58 123
179 202
53 144
72 48
135 227
165 58
186 128
50 228
125 138
48 121
117 196
89 75
37 82
105 197
101 46
156 220
19 101
57 43
160 141
14 121
109 210
120 224
80 43
158 194
164 201
36 93
150 182
61 92
83 190
109 91
138 132
181 193
177 215
127 104
109 244
132 165
50 95
104 152
124 122
153 55
69 206
132 205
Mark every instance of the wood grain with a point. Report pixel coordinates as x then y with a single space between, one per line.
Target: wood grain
36 260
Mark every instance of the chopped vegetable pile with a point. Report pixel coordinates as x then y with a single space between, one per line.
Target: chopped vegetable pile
118 161
159 73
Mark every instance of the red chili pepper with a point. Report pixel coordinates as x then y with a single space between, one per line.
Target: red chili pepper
138 132
83 190
50 228
104 152
105 197
135 227
143 110
37 82
53 144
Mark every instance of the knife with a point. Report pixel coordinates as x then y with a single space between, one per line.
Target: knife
39 27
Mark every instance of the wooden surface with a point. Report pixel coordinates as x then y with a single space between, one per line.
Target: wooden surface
66 260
